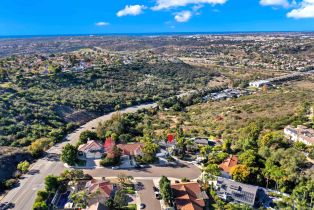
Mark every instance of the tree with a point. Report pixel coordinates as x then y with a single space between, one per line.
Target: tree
23 166
248 158
249 135
85 135
271 139
73 175
226 147
181 145
120 198
217 157
311 153
112 158
100 130
80 199
69 154
299 146
212 170
240 173
273 172
303 193
42 195
149 151
51 183
40 205
10 183
283 167
205 150
39 146
124 179
110 204
165 189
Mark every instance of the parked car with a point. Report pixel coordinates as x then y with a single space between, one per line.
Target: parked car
6 205
115 167
157 195
155 189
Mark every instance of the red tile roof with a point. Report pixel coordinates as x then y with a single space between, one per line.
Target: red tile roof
104 187
130 149
188 196
229 163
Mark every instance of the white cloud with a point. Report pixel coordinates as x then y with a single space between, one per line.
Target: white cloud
131 10
283 3
183 16
166 4
304 10
101 23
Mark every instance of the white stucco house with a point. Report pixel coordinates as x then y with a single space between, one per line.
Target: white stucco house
300 134
92 149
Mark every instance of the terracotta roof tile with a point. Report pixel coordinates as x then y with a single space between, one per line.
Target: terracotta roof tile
130 149
188 196
229 163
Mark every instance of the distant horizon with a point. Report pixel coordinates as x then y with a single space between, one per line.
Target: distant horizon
153 33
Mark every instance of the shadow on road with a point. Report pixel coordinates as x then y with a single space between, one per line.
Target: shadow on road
52 157
33 172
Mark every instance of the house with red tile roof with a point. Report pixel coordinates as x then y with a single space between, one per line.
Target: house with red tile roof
228 164
133 149
189 196
101 190
92 149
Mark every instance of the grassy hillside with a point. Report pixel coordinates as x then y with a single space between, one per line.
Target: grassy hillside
274 109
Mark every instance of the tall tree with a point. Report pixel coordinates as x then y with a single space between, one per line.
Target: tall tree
51 183
69 154
240 173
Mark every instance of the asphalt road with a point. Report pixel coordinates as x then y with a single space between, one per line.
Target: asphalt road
182 170
147 195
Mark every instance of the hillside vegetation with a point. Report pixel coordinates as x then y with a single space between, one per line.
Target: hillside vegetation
33 106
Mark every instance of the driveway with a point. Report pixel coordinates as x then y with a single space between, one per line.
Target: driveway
181 170
147 195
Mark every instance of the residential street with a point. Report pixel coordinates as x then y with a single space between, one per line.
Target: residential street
182 170
147 195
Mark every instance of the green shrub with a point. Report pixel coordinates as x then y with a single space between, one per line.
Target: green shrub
10 183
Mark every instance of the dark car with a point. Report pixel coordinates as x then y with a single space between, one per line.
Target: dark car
155 189
142 206
6 205
157 196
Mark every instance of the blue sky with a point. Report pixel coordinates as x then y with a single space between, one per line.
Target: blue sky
45 17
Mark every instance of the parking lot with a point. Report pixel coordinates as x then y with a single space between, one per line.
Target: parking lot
147 195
